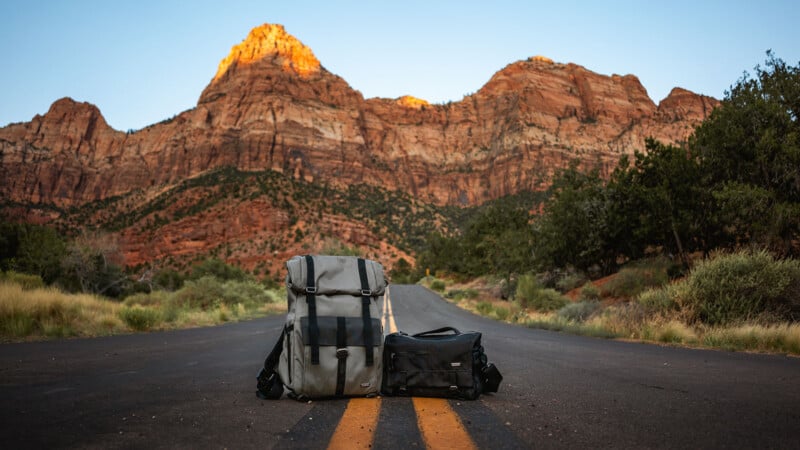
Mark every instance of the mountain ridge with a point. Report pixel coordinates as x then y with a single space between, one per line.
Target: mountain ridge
271 106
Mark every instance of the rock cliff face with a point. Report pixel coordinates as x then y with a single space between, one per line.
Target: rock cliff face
272 105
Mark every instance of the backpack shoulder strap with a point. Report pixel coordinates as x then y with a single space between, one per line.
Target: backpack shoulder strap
366 297
269 384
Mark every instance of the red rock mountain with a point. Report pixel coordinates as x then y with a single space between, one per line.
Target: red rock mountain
273 106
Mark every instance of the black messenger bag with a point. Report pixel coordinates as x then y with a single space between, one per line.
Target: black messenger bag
438 363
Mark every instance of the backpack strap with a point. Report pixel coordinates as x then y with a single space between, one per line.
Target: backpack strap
269 384
313 327
366 295
341 355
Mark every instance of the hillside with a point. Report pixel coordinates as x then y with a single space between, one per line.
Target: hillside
273 119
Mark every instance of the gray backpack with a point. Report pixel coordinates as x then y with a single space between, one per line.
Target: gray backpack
332 343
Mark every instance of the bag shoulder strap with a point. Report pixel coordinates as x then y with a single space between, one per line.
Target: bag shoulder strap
311 299
269 384
366 298
438 331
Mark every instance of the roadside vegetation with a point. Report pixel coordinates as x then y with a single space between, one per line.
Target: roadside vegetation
695 244
214 293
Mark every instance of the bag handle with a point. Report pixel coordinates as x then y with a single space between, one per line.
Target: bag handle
438 331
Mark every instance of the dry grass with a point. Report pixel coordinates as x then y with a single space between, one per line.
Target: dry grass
30 314
51 313
659 316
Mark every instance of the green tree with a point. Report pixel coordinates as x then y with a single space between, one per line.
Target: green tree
749 148
657 202
573 227
32 249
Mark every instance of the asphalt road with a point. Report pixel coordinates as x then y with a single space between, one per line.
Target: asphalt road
195 389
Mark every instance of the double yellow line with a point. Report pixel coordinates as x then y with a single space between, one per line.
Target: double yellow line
438 423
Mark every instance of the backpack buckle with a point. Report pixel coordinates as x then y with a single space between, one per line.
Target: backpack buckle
342 353
366 293
311 290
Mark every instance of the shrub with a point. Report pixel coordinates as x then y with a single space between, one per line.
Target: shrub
571 281
590 292
744 286
219 269
155 298
501 313
484 308
527 288
246 292
638 277
139 318
438 285
460 294
202 293
25 280
544 300
578 312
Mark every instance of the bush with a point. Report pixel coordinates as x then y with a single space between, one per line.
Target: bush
578 312
571 281
484 308
544 300
743 286
139 318
527 287
202 293
590 292
217 268
460 294
155 298
25 280
438 285
638 277
245 292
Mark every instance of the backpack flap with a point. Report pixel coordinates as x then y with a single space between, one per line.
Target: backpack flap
335 275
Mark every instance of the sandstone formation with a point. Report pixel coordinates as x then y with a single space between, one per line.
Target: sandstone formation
272 105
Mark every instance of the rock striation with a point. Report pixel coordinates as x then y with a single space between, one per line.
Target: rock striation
272 106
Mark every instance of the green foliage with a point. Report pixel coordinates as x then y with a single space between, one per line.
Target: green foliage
168 280
26 281
744 286
571 230
750 153
403 273
201 293
570 281
530 295
438 285
495 238
32 249
140 318
590 292
460 294
636 278
578 312
215 267
484 308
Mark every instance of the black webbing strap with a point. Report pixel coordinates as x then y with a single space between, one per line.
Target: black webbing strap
366 294
313 328
269 384
341 355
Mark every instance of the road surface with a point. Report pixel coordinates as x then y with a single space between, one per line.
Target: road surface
195 389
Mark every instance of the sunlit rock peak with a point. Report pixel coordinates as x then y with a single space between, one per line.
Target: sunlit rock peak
271 41
411 102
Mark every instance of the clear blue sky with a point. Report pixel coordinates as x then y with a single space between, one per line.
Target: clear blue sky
144 61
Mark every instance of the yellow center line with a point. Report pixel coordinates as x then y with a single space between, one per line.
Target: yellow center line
357 427
440 425
388 315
